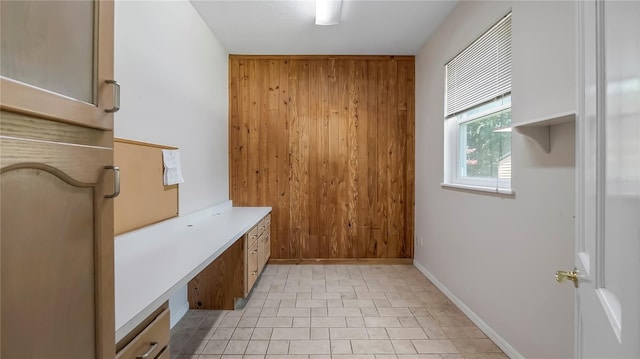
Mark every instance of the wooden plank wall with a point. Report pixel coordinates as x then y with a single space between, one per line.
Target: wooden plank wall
328 142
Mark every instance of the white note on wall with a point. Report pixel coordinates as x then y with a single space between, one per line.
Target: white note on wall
172 170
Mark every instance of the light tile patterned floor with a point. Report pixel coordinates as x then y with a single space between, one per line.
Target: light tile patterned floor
335 311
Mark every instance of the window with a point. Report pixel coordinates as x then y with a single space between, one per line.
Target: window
478 113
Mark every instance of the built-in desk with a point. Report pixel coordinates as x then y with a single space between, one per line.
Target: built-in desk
152 262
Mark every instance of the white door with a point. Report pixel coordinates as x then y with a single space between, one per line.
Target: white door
608 208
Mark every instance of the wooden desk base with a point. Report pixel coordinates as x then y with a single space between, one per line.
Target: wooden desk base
220 283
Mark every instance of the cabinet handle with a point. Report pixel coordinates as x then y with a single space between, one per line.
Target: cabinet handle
254 251
254 272
116 181
154 345
116 96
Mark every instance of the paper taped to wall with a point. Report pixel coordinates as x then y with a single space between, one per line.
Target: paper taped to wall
172 170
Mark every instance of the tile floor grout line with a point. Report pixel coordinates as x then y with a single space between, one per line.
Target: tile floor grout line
420 309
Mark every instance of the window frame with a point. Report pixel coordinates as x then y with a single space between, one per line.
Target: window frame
453 146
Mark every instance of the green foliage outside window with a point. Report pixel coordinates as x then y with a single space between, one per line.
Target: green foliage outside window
484 148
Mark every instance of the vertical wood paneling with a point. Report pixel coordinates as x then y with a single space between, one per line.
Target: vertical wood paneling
241 197
382 165
273 133
395 213
343 159
352 149
401 176
363 233
263 132
310 247
329 144
372 159
295 185
234 128
410 161
280 247
333 176
324 243
302 155
253 146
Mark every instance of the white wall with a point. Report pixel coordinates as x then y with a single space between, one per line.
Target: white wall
174 78
497 255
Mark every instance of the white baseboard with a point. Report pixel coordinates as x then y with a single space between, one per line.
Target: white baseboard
500 342
176 315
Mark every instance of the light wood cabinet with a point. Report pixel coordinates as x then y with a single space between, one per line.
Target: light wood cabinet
57 60
252 266
151 339
264 243
258 251
56 240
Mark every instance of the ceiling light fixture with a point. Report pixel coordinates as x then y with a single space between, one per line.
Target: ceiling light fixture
328 12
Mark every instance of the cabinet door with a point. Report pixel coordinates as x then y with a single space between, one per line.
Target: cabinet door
56 240
55 59
267 246
252 266
262 251
267 239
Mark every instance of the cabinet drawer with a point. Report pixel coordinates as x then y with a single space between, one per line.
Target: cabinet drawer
164 354
261 226
252 237
153 340
252 265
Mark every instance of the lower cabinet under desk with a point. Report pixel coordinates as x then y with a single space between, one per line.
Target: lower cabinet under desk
232 275
150 339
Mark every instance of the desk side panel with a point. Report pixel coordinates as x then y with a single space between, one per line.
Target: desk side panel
220 283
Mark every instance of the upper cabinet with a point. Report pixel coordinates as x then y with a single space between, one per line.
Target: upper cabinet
543 67
57 61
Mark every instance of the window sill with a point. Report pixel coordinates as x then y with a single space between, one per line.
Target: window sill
498 191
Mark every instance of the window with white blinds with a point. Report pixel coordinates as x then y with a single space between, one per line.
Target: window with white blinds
482 72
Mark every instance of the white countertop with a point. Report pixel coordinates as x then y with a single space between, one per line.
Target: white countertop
152 262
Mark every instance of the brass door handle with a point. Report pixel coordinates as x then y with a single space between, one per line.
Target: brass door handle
562 276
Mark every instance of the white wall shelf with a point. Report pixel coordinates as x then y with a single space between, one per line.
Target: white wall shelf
540 130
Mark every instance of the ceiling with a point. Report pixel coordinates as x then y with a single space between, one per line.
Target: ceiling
286 27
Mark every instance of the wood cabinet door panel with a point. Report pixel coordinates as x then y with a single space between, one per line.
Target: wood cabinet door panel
56 57
267 246
157 332
252 266
261 252
47 266
56 248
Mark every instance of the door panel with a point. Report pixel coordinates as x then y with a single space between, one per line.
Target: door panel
47 266
56 240
30 57
56 59
608 250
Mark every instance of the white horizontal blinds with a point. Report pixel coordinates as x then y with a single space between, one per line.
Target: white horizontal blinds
482 71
